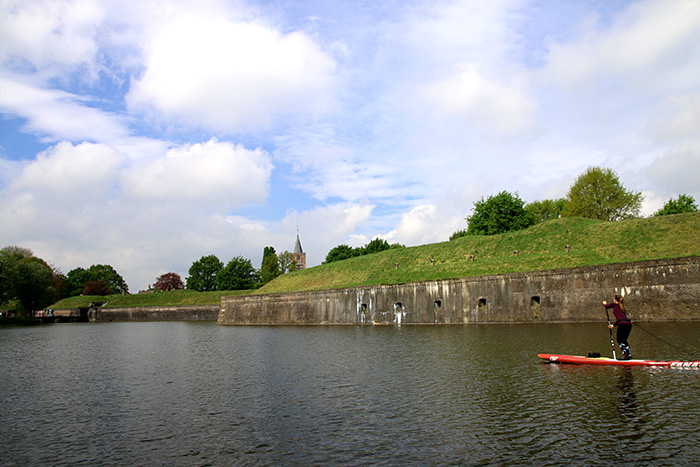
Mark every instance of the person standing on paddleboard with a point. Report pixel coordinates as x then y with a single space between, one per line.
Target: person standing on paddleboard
623 323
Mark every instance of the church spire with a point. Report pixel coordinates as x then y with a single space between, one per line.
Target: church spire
297 245
299 255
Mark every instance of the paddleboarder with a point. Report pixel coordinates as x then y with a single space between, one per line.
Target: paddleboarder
623 323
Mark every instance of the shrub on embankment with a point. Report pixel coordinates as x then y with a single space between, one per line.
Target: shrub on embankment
539 247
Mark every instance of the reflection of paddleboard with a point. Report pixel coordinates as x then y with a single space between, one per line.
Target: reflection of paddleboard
551 358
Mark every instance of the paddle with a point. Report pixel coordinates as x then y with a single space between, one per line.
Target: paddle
612 341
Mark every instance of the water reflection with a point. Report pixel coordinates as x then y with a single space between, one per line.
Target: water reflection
197 394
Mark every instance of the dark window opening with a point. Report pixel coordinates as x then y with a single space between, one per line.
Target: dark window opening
482 302
363 308
438 304
534 301
398 306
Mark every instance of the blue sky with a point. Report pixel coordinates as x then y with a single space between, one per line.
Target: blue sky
148 134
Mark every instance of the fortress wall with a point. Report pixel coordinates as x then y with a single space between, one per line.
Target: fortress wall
164 313
659 290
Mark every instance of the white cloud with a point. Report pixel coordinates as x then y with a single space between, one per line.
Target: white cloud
425 224
496 110
676 172
67 174
215 173
650 39
49 34
232 76
58 115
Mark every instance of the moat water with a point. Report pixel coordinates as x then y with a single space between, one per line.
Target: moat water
195 394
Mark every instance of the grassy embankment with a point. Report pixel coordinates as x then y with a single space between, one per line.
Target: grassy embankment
540 247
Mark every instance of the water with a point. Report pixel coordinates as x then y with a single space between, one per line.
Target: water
191 394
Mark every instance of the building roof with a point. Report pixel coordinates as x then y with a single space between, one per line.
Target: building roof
297 245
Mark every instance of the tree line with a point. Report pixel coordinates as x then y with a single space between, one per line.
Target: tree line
28 283
595 194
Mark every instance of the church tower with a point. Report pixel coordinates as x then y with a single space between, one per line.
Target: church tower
299 255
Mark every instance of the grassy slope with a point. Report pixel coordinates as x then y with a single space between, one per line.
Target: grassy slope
541 247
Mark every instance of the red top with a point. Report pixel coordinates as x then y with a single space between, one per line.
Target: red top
620 316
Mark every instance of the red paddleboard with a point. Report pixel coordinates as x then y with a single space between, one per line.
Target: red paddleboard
553 358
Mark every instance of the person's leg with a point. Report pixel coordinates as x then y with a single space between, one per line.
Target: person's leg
623 332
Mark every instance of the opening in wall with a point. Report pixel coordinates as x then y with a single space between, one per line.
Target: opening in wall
398 307
482 302
535 300
363 308
438 304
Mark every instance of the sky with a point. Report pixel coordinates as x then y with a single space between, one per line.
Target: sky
145 134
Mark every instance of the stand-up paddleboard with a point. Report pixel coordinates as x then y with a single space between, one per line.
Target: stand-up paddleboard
553 358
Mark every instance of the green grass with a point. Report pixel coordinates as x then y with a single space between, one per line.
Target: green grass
174 298
541 247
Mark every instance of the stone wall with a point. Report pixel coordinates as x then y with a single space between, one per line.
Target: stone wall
171 313
660 290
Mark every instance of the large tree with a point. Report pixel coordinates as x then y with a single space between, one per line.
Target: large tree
497 214
238 274
270 267
77 279
203 273
375 246
169 281
26 279
341 252
599 194
287 262
684 203
546 209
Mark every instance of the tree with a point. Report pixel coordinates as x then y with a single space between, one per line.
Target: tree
96 288
546 209
599 194
270 267
77 279
684 203
340 253
27 279
287 262
238 274
202 274
34 284
497 214
169 281
375 246
109 276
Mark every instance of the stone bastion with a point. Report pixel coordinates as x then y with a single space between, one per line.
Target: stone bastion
658 290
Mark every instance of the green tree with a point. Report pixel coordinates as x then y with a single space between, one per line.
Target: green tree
287 262
34 284
599 194
238 274
75 281
8 275
26 279
109 276
375 246
684 203
546 209
270 267
340 253
497 214
202 274
77 278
